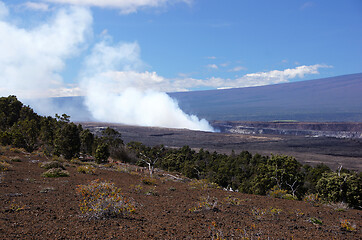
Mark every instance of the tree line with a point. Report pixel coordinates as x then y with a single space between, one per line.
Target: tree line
21 127
243 172
256 174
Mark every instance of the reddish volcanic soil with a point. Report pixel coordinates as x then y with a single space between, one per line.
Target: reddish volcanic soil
34 207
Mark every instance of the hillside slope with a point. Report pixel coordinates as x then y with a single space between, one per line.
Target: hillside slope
329 99
35 207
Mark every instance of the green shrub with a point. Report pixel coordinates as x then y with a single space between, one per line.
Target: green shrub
102 153
87 169
275 211
149 181
276 192
203 184
289 197
341 187
233 200
103 200
76 161
316 221
52 164
58 158
56 172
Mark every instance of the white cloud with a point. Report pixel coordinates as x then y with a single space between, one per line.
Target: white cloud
31 60
251 79
118 80
211 57
282 76
307 5
36 6
126 6
4 11
237 69
67 91
212 66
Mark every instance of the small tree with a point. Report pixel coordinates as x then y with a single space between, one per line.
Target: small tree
102 153
25 134
115 144
151 156
67 140
87 139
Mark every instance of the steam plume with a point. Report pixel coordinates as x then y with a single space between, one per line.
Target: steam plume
116 91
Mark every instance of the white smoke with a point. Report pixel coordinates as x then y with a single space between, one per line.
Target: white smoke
31 60
117 91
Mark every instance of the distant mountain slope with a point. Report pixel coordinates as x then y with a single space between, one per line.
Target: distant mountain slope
328 99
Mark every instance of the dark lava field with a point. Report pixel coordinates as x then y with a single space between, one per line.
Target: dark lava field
332 151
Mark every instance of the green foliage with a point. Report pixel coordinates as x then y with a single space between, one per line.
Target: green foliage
87 140
149 181
52 164
312 176
249 174
282 171
67 141
202 184
5 138
102 153
289 197
316 221
55 172
86 169
341 187
276 192
22 128
229 200
48 129
63 119
148 156
10 108
115 144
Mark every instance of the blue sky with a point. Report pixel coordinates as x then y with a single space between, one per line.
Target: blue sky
175 45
